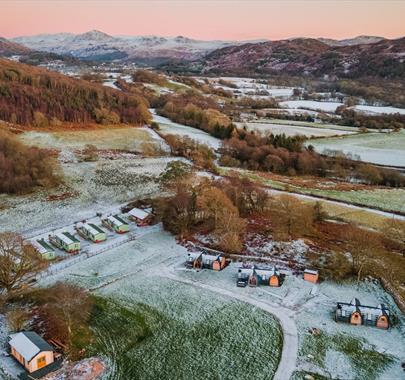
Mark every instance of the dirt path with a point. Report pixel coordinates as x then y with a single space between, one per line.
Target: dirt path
285 316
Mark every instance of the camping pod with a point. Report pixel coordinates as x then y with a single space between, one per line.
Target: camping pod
31 351
274 280
356 318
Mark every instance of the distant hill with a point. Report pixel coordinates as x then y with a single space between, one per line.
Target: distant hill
34 96
359 40
9 48
307 56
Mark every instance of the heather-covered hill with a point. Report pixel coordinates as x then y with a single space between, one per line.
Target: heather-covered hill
8 48
309 56
34 96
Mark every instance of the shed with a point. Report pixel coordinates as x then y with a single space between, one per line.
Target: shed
44 249
311 275
139 216
31 351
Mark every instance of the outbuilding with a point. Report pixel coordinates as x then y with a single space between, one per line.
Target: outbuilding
31 351
311 275
140 217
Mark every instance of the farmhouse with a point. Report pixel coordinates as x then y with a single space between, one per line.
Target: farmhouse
139 216
357 314
253 275
91 232
31 351
201 260
115 223
65 241
44 249
311 275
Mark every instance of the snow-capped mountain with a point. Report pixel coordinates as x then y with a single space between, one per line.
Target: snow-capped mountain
98 45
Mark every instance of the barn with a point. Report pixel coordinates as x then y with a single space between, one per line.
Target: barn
65 241
91 232
140 217
253 276
31 351
115 223
356 314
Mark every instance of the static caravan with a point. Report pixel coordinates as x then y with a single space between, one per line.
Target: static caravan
139 216
91 232
44 249
31 351
253 276
202 260
65 241
115 223
356 314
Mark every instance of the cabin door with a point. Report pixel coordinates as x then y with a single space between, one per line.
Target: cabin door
41 362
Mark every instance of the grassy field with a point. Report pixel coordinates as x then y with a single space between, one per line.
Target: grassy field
141 342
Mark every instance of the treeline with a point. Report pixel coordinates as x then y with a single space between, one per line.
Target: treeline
23 168
197 111
37 97
287 155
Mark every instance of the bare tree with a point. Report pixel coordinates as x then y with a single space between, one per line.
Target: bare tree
19 263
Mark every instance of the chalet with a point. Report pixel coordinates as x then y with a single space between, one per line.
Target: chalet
202 260
139 216
31 351
311 275
115 223
65 241
91 232
357 314
253 276
44 249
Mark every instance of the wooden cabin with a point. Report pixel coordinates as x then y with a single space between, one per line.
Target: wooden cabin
201 260
44 249
356 314
91 232
311 275
65 241
115 223
140 217
31 351
252 275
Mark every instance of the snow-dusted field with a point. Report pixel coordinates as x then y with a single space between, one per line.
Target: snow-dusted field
378 148
292 130
169 127
376 110
311 105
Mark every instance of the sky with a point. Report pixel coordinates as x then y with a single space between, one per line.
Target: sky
208 19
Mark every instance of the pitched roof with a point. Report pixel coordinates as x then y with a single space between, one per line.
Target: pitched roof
28 344
138 213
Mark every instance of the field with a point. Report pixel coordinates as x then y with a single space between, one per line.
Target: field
293 129
377 148
147 325
311 105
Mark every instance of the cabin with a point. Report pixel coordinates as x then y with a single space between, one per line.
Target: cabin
140 217
115 223
44 249
202 260
311 275
356 314
31 351
252 275
91 232
65 241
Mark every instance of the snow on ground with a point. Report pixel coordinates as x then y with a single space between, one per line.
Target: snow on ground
111 84
378 110
292 130
377 148
169 127
311 105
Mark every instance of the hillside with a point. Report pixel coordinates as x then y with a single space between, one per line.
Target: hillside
8 48
309 56
34 96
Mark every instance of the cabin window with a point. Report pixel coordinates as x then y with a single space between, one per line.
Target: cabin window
369 316
41 362
343 313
